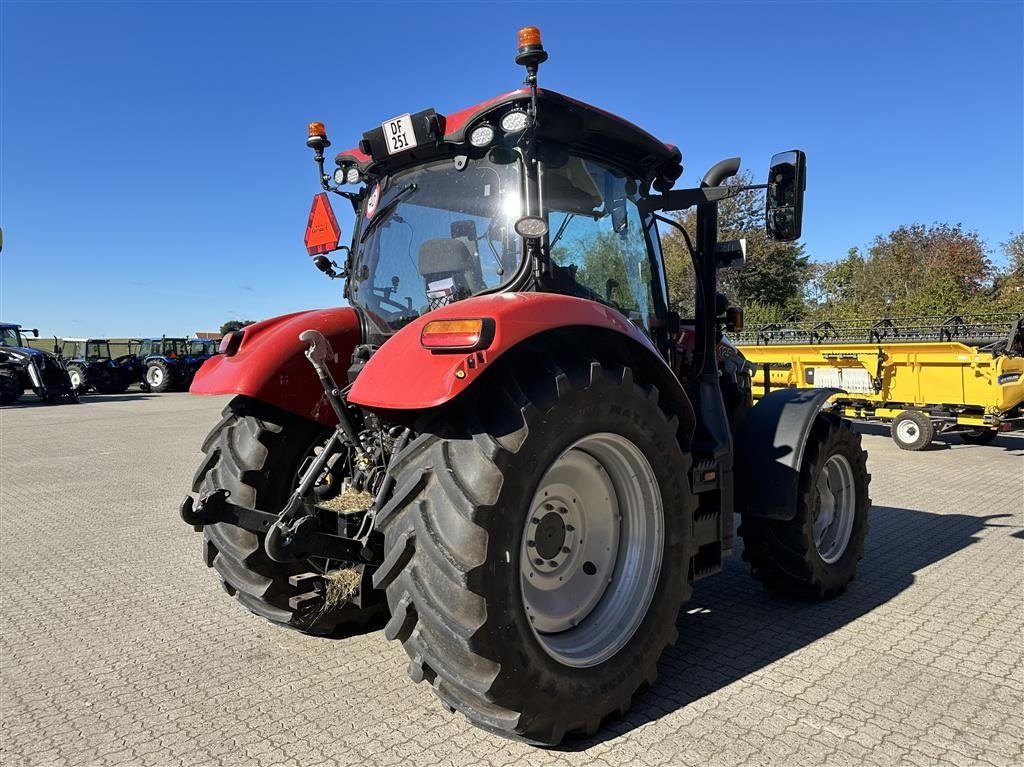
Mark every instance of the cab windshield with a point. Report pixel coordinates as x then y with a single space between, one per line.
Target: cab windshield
11 337
97 350
175 347
433 235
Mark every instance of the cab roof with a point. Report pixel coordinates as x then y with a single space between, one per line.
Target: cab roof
583 128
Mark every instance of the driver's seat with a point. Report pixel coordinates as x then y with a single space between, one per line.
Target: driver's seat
445 259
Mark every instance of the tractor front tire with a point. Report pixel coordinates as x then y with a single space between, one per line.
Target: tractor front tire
815 554
255 453
912 430
10 387
78 376
159 376
574 474
978 436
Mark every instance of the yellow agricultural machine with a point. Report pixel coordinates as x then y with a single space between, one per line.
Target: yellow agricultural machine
924 376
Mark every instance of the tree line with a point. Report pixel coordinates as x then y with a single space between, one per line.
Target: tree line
915 269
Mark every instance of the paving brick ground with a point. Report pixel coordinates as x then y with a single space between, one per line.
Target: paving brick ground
118 646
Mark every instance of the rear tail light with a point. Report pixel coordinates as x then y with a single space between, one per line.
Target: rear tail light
229 344
462 335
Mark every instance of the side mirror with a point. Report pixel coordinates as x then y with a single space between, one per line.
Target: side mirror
787 180
35 332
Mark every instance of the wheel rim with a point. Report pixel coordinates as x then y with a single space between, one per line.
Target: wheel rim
155 376
591 549
837 503
907 431
76 379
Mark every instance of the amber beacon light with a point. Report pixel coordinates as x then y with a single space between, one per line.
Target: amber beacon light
531 50
317 137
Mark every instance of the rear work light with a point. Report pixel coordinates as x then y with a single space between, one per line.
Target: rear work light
462 335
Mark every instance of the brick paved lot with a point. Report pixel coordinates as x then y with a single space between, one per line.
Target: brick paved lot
118 646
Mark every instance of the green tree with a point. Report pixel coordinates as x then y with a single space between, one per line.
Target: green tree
775 274
1008 288
914 269
232 325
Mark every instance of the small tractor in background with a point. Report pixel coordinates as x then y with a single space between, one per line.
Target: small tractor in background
164 364
508 440
199 351
91 366
23 368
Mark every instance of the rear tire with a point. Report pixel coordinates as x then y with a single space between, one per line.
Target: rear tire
10 387
815 554
255 453
159 376
456 567
978 436
912 430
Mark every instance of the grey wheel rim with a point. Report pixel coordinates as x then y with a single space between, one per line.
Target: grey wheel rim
907 431
836 508
591 550
155 376
76 379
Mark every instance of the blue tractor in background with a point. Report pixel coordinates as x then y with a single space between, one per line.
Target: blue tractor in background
92 367
162 363
167 363
22 367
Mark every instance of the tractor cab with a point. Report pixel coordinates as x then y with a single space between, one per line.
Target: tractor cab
201 349
531 191
11 337
86 349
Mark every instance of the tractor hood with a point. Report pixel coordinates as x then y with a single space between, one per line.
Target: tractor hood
24 352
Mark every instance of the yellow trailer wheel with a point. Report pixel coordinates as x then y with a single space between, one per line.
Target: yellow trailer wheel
912 430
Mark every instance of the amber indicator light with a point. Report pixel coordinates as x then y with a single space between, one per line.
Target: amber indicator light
457 334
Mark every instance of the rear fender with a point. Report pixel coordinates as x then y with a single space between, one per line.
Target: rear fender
770 451
402 378
270 364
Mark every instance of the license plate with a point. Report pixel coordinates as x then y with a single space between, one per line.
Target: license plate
398 134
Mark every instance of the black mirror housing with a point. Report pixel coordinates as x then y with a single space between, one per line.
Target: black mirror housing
784 203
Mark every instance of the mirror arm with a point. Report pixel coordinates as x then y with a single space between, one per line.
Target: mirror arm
681 199
318 157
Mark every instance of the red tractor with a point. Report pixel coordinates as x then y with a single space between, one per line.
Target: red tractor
508 440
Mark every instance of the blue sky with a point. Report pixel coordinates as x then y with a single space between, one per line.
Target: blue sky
154 176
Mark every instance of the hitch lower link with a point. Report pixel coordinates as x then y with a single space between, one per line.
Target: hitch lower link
296 534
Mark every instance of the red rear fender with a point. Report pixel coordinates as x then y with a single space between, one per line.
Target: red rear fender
403 376
270 365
